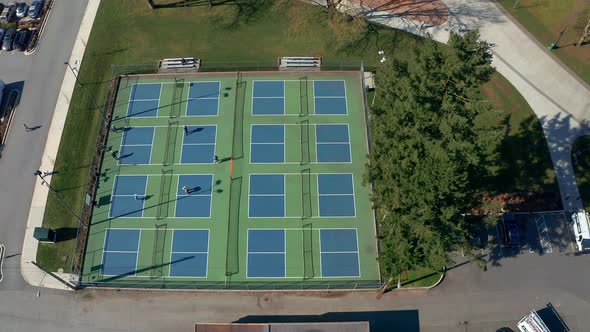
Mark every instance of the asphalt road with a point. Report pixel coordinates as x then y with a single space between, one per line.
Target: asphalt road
39 76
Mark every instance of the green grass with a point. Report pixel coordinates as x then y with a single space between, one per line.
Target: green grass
422 277
581 162
127 32
523 163
545 19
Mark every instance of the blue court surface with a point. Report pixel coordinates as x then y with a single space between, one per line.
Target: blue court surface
266 253
136 146
195 202
198 145
267 144
336 195
144 100
123 202
268 98
330 97
119 257
339 253
267 196
203 99
190 250
332 143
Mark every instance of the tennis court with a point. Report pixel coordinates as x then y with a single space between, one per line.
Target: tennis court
216 181
144 100
136 146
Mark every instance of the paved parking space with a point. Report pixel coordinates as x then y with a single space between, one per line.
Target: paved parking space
539 234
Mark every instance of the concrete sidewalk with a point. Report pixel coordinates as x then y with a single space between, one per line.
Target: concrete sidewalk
560 100
31 273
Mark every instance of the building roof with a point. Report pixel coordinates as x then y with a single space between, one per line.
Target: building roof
285 327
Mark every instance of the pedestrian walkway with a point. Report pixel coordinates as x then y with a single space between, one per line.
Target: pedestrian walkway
30 273
560 99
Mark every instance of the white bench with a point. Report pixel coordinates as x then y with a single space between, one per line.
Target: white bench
295 63
174 64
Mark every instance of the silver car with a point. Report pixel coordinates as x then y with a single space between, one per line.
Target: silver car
36 9
21 9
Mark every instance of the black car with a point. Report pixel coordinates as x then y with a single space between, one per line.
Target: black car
8 38
2 32
21 40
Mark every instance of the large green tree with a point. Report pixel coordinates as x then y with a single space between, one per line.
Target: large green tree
432 132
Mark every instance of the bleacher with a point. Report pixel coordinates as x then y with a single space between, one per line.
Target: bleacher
179 64
300 63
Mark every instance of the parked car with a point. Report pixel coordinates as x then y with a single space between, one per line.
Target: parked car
2 32
8 38
8 13
513 236
21 9
21 40
36 9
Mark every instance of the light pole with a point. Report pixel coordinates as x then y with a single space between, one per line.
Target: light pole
51 190
86 88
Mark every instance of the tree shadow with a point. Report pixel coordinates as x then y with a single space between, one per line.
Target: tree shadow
234 13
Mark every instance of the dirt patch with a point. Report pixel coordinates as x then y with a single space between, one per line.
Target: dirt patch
431 12
521 202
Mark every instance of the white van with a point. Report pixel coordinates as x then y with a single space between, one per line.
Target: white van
581 229
532 323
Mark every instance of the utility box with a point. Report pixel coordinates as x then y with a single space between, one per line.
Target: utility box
44 234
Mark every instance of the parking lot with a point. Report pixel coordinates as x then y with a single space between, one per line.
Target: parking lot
21 24
538 234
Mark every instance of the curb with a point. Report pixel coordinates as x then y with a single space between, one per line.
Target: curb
41 29
30 273
9 124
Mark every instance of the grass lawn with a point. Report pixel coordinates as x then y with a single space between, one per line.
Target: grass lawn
523 162
581 162
128 32
423 277
545 19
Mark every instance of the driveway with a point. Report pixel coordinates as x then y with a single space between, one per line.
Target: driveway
560 100
39 77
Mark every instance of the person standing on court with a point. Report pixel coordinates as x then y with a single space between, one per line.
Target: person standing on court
185 130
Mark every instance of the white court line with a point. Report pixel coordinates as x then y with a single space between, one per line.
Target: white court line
2 253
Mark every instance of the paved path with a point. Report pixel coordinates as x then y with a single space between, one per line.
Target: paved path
30 273
23 154
560 100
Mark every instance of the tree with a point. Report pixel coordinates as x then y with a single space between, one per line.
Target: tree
431 134
151 4
584 29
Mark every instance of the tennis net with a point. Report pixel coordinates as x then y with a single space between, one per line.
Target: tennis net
238 129
303 97
233 227
177 97
157 270
164 197
306 194
308 251
304 139
170 143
